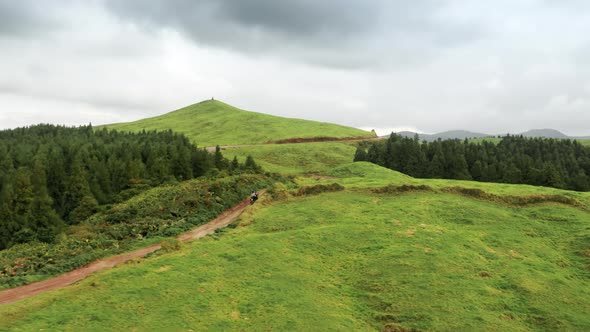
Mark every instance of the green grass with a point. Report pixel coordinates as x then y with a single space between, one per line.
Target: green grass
347 261
363 174
212 122
351 260
494 140
296 159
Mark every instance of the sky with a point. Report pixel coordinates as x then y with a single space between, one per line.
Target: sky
503 66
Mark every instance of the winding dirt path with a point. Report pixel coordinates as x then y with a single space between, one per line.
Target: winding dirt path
26 291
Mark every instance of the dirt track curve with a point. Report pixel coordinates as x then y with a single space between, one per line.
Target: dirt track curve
26 291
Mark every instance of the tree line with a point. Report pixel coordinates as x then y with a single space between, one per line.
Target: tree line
557 163
53 176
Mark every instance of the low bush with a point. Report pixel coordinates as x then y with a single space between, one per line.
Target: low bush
318 189
170 245
278 192
515 200
393 189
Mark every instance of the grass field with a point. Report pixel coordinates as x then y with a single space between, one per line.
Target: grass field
347 261
364 174
300 158
353 260
494 140
212 122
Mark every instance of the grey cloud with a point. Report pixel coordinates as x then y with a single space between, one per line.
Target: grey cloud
304 17
301 19
97 101
26 17
430 64
336 33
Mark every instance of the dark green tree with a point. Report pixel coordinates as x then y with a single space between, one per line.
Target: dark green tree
250 164
360 154
77 188
43 219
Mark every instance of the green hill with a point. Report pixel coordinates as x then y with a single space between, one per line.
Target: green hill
351 260
387 253
212 122
300 158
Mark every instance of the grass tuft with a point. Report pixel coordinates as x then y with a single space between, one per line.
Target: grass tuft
318 189
404 188
516 200
171 244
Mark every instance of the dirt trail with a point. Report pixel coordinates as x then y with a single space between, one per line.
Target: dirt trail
26 291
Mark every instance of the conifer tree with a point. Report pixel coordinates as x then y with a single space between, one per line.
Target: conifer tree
56 178
250 164
234 165
77 188
360 154
8 223
218 159
515 159
44 220
436 166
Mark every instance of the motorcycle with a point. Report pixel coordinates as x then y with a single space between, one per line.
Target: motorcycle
253 199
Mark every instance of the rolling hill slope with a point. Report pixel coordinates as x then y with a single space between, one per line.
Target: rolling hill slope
350 260
301 158
212 122
387 253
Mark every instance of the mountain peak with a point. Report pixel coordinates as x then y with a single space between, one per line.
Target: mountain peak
546 132
212 122
211 101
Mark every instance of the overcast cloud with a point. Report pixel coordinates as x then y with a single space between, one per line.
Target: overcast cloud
430 65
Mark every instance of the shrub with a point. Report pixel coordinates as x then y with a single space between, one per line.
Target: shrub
170 245
470 192
515 200
392 189
278 192
318 189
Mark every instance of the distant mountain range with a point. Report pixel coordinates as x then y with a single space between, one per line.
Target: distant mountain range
462 134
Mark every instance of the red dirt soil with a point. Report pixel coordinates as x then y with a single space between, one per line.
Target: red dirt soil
26 291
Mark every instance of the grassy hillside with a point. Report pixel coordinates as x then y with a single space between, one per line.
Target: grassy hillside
348 261
389 252
212 122
301 158
365 174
